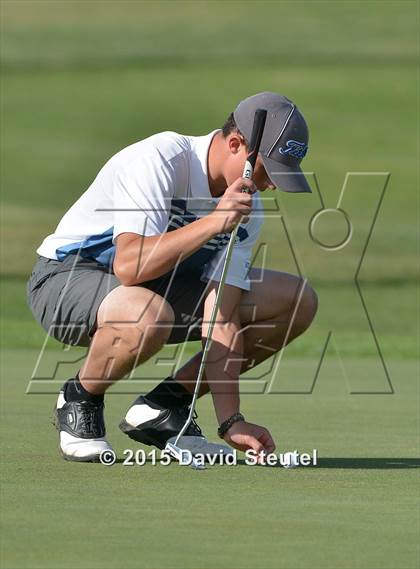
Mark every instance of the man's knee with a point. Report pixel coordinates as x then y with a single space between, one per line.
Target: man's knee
307 306
141 319
149 334
160 322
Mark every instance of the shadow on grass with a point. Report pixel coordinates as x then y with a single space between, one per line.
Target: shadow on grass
368 463
360 463
343 463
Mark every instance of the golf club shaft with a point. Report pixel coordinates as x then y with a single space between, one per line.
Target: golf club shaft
257 132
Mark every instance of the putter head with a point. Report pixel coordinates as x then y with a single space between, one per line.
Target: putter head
184 456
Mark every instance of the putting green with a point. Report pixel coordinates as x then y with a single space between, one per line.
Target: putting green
355 509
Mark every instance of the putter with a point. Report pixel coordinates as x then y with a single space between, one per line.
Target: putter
257 132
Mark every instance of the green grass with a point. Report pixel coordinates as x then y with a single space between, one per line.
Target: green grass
82 80
355 510
74 33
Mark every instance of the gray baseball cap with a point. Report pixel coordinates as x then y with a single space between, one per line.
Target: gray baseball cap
285 139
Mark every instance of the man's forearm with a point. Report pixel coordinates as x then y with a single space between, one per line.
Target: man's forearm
140 259
145 258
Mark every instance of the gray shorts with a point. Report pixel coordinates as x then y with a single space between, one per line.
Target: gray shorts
65 296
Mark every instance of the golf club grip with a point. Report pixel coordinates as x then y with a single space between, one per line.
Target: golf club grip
254 144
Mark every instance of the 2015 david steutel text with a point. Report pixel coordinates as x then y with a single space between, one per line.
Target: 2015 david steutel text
140 457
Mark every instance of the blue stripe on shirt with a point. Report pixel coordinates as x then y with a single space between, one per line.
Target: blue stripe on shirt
97 247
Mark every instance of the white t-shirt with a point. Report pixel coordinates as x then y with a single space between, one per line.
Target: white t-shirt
153 186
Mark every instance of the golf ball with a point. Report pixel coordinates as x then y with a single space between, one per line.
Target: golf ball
291 460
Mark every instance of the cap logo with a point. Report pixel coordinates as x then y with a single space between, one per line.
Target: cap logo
294 148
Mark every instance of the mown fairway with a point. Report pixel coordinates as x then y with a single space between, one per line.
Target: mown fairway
82 80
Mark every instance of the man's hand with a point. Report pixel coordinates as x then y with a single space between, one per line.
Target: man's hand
235 205
244 436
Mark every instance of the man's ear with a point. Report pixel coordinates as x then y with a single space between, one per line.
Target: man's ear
235 142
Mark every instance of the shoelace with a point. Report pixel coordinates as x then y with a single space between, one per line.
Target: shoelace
193 428
89 418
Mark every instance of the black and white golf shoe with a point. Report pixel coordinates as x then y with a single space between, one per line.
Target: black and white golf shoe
81 429
153 425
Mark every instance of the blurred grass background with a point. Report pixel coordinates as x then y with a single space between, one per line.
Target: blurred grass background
81 80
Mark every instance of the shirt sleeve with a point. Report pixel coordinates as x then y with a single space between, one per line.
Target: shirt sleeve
240 261
142 196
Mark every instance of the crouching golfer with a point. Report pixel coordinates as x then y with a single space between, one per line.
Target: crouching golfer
135 263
